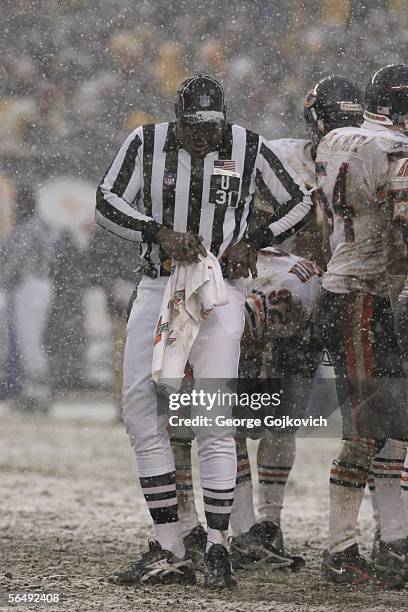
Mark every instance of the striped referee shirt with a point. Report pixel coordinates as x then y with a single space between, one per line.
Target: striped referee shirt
154 182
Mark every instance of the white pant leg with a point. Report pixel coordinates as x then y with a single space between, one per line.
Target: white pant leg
215 352
215 356
145 426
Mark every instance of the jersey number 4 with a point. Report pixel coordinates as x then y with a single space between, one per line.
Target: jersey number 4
340 205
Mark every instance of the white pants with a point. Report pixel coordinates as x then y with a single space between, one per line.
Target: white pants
214 355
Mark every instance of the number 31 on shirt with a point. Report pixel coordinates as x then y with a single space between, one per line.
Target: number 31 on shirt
224 190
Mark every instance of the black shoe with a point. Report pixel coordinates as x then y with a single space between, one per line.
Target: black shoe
346 567
393 557
217 572
262 546
195 542
349 567
157 566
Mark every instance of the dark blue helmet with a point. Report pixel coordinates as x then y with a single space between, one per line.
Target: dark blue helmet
386 96
334 102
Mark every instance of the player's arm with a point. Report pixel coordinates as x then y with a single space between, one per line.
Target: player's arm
290 201
118 190
326 216
252 341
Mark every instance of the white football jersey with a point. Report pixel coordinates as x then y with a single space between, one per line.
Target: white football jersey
354 168
281 299
398 199
398 189
297 153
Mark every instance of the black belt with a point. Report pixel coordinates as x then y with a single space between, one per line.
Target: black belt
165 271
151 270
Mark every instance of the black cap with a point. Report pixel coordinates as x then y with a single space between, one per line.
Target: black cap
201 100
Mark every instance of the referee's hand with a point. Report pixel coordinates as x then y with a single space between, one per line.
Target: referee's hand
184 247
240 260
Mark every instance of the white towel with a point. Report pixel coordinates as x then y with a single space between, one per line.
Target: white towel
191 293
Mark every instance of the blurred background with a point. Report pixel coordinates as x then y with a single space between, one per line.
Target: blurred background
75 77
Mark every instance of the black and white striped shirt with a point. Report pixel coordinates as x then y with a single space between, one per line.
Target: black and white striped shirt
153 182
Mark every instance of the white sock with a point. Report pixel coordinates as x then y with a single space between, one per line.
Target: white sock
169 537
243 512
374 505
187 511
387 467
348 478
214 536
276 455
218 471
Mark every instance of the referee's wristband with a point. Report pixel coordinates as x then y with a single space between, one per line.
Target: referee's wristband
150 230
260 238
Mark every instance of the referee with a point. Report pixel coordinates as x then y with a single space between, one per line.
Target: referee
179 189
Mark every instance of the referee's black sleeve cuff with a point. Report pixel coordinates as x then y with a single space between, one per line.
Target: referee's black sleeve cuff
260 238
150 230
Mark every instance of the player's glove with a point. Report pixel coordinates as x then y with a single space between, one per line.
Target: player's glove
180 246
239 260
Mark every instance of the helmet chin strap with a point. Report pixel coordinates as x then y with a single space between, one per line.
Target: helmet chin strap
320 126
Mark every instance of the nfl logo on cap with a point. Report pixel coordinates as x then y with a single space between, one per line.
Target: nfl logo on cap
205 101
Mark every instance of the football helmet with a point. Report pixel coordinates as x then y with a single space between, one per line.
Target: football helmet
386 96
334 102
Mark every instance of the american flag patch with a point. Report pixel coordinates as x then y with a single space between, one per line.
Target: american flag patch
224 164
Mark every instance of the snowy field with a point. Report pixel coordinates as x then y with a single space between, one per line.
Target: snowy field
72 512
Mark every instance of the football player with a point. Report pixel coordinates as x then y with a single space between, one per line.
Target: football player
355 322
300 154
278 353
263 542
278 315
397 255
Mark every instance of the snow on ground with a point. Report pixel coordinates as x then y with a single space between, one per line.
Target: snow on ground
71 512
